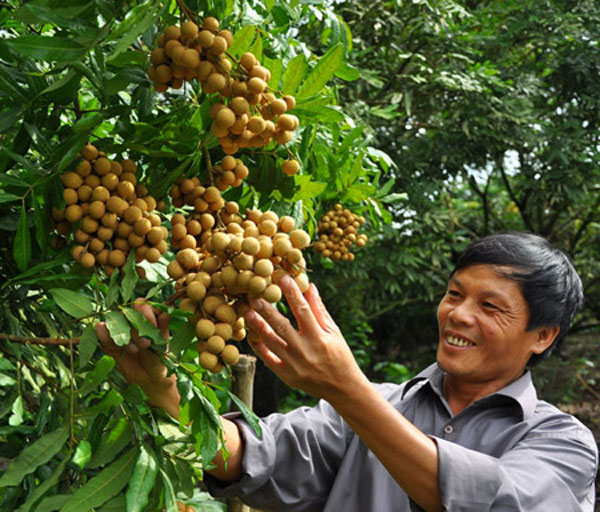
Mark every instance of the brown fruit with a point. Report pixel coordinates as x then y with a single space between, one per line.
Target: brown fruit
175 270
152 255
87 260
211 23
215 344
290 166
116 258
272 293
209 361
230 355
189 30
89 152
299 238
195 291
97 209
73 213
102 166
172 32
205 328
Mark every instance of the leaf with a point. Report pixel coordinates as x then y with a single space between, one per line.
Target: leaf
74 145
53 48
99 374
117 504
44 487
130 279
142 481
72 303
16 418
5 380
9 117
82 454
308 189
5 197
243 40
52 503
34 455
111 444
248 415
324 70
22 241
170 499
294 73
138 20
103 486
143 325
87 345
113 289
182 338
118 327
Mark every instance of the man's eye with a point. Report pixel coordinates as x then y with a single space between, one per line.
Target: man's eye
489 305
453 293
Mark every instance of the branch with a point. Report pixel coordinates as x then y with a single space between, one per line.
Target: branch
186 10
39 341
587 386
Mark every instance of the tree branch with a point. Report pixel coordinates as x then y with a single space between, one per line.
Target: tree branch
39 341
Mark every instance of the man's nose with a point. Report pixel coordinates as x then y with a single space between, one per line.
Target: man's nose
462 313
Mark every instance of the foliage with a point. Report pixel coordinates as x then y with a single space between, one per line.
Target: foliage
73 433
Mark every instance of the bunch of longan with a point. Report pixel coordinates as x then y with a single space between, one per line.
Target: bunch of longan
230 172
247 115
111 213
338 230
219 268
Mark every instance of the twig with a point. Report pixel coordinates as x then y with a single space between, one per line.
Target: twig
209 166
186 10
587 386
39 341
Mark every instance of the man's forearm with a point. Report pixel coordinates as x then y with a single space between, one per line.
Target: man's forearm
409 455
230 469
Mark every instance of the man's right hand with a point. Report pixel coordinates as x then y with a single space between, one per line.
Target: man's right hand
141 366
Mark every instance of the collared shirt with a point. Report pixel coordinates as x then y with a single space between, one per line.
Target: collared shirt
507 451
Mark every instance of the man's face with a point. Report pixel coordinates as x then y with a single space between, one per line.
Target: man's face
482 320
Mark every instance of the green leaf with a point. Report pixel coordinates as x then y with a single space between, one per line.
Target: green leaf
72 303
138 20
308 189
32 14
73 146
358 192
9 117
143 325
22 242
295 72
44 487
323 72
182 338
242 41
5 197
6 380
130 279
34 455
113 289
111 444
142 481
103 486
52 503
87 345
117 504
98 375
118 327
53 48
82 454
170 499
16 418
248 415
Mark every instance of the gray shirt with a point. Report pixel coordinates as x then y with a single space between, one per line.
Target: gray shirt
508 451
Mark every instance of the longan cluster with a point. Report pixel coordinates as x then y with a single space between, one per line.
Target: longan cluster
189 52
338 230
230 172
223 265
247 115
111 212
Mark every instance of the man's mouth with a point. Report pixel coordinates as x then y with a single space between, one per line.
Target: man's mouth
456 341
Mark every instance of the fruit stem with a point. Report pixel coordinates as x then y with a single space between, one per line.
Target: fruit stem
186 10
209 165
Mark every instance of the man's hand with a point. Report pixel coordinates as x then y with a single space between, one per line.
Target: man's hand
315 357
141 366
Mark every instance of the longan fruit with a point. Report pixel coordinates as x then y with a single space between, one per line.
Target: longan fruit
223 330
219 241
195 291
215 344
175 270
77 252
152 255
155 235
70 196
211 303
302 282
116 258
171 32
206 38
143 226
272 293
122 244
290 167
116 204
208 360
189 30
299 238
87 260
256 85
230 355
135 240
187 305
225 313
102 166
250 246
105 234
286 224
188 258
178 231
215 82
89 152
96 245
73 213
89 225
257 285
97 209
110 180
205 328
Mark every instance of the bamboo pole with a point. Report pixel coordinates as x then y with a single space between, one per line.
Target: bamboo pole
243 387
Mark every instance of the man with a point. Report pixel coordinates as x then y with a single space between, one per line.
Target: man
467 434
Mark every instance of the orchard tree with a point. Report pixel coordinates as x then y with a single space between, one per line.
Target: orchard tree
166 156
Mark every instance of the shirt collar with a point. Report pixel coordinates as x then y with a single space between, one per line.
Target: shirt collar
521 390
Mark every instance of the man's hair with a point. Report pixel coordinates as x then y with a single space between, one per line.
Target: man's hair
548 281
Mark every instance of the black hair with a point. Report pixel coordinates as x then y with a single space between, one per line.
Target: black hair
548 281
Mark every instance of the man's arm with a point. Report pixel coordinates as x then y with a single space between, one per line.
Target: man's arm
316 359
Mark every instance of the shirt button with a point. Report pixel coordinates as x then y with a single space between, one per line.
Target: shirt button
448 429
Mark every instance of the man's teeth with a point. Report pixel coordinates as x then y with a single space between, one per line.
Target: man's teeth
457 342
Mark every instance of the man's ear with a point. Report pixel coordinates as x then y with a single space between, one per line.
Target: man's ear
545 338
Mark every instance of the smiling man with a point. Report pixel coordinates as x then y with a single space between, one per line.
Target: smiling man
466 434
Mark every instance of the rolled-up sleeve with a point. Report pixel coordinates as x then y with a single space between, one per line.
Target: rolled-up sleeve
293 464
545 471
